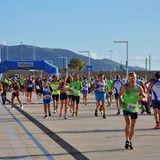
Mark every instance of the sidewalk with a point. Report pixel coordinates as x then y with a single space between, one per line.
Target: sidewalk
26 135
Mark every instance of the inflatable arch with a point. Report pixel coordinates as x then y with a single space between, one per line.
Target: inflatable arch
29 65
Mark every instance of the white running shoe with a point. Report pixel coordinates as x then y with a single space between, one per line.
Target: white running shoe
21 107
12 108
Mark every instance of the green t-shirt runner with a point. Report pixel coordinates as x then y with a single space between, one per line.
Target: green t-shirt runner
131 99
54 86
76 88
109 83
21 81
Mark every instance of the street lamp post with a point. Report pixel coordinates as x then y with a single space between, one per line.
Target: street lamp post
126 42
111 51
0 55
66 65
89 63
34 53
7 50
21 52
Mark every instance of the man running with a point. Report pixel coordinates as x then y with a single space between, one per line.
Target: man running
129 97
100 91
155 94
76 87
55 94
110 90
117 84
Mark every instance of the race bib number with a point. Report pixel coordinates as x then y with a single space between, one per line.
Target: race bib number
46 97
37 87
101 88
131 107
54 90
75 91
30 86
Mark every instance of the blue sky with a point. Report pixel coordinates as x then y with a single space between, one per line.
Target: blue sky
86 25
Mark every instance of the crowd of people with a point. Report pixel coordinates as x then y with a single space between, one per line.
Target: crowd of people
131 95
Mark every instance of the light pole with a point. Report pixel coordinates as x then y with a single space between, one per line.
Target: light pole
89 54
7 50
111 51
21 52
34 53
126 42
66 65
0 55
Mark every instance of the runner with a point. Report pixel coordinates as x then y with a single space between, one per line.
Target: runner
110 91
15 93
155 94
1 89
76 87
101 90
85 90
55 94
144 105
47 98
38 87
129 97
29 88
5 86
21 83
117 84
63 87
69 80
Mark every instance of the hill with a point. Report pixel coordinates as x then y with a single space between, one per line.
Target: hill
26 52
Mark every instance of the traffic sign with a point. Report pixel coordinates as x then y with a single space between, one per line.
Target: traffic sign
89 68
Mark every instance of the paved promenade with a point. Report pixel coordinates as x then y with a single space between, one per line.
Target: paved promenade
24 134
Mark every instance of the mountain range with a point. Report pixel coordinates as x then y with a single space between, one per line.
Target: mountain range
57 57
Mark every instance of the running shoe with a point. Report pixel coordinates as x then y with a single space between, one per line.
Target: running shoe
149 112
77 114
49 114
96 114
130 146
127 145
157 126
73 114
118 112
45 117
104 116
54 111
21 107
12 108
65 117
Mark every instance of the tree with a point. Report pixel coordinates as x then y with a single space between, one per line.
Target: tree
77 64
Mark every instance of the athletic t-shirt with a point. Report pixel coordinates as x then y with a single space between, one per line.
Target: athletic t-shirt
131 99
54 86
109 83
156 90
100 88
76 87
117 86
